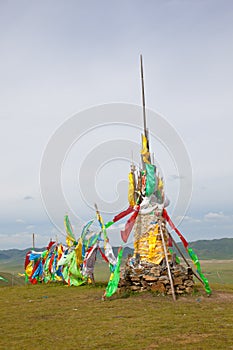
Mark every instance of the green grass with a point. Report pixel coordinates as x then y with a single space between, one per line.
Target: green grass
218 271
56 316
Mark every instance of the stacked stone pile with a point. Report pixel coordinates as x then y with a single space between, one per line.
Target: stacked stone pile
146 276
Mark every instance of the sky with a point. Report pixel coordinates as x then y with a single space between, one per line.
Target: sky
59 59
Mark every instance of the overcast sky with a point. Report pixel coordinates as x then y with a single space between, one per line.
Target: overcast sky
59 58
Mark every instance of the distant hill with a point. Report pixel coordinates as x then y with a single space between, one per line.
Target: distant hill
213 249
222 249
12 260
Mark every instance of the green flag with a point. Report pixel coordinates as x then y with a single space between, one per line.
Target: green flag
150 179
3 279
196 262
115 277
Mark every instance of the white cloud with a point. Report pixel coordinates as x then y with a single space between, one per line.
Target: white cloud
213 216
28 198
22 240
20 221
30 227
187 219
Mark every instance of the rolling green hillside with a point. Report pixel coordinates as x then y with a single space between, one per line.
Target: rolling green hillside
213 249
13 259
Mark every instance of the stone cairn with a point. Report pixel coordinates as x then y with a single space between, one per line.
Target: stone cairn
151 277
147 269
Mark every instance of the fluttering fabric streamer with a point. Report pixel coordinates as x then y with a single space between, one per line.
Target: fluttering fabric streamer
60 263
131 190
70 239
160 184
196 262
78 252
168 219
3 279
123 214
119 216
191 253
102 225
145 152
88 238
129 224
28 270
115 277
150 179
51 243
89 261
85 229
71 272
109 254
103 255
36 272
160 192
143 182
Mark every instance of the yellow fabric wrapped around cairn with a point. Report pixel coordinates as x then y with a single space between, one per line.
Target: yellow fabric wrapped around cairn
149 244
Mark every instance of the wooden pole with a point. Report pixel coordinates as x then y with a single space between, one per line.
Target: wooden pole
167 263
143 98
33 240
96 208
184 258
146 134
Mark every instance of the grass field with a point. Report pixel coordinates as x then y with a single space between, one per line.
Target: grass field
218 271
56 316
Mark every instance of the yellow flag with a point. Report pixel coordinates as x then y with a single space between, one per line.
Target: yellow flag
78 252
69 241
131 190
29 268
160 184
145 152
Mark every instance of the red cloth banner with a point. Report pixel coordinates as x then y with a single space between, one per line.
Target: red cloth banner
168 219
129 225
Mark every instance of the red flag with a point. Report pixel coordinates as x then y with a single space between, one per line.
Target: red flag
129 225
34 280
50 245
169 242
51 263
103 256
123 214
27 261
167 217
